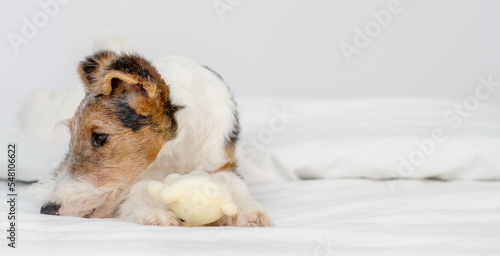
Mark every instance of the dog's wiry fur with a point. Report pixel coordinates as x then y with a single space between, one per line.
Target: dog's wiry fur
140 122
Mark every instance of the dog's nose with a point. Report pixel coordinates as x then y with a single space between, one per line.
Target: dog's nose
50 209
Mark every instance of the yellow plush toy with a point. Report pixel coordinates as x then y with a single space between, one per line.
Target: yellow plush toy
196 198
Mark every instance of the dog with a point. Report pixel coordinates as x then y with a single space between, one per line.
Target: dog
141 121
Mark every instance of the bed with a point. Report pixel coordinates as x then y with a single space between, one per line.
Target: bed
337 178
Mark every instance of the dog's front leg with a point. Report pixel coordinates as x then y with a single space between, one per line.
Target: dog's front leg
138 207
250 213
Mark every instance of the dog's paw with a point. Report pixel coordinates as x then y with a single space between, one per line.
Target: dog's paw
151 216
246 218
141 209
167 218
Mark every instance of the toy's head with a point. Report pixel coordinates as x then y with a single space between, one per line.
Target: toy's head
196 198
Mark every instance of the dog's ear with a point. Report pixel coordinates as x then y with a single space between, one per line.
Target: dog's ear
92 68
130 77
141 95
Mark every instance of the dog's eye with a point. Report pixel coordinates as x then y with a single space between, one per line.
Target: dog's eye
98 139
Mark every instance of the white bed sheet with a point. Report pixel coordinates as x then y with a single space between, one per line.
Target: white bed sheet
313 217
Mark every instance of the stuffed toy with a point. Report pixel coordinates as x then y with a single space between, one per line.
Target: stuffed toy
196 198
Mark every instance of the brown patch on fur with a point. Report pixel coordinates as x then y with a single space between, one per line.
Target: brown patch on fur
230 165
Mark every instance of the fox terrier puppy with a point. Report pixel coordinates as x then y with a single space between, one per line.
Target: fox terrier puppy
139 122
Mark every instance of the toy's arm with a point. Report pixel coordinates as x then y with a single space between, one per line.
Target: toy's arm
168 195
229 209
161 193
154 188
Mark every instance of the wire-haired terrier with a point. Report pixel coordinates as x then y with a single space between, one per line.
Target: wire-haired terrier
140 122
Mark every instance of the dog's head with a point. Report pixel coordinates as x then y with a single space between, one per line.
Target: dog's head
116 133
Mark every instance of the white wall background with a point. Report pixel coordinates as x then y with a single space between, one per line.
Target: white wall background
267 48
